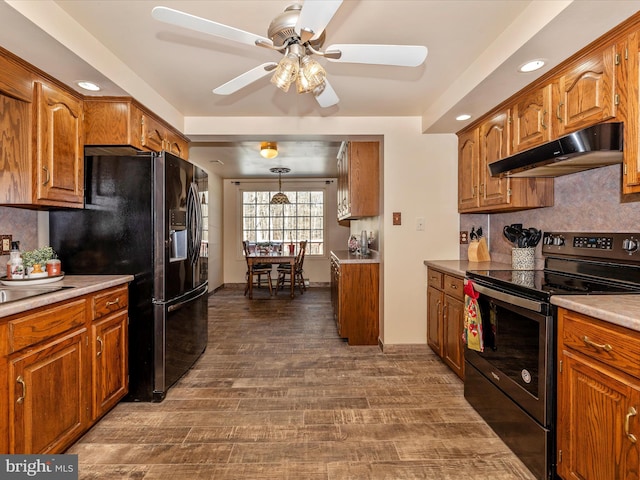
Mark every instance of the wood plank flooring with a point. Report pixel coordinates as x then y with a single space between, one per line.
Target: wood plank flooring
277 395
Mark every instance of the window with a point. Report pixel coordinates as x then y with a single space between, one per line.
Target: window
303 219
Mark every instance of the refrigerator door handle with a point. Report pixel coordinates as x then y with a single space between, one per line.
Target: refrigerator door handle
194 223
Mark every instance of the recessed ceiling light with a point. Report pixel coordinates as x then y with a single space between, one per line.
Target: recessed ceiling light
532 66
88 85
463 117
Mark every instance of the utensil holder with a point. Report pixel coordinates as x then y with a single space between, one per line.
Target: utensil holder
523 258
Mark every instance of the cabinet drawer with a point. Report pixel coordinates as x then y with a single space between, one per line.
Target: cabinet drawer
435 278
454 286
40 326
110 301
610 344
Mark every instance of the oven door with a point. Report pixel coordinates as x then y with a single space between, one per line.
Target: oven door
518 350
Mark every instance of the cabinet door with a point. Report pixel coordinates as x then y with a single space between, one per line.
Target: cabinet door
452 320
585 95
110 370
60 155
153 134
531 119
177 146
594 416
631 168
343 181
48 396
468 170
495 139
434 319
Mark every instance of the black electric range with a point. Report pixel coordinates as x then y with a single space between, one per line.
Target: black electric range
511 381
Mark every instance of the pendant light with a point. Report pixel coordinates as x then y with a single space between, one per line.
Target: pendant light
279 198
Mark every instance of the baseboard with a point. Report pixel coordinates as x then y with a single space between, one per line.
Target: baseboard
405 348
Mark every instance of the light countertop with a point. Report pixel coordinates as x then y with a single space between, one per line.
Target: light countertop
345 256
83 284
623 310
459 267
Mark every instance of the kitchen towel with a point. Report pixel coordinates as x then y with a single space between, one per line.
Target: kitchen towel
472 332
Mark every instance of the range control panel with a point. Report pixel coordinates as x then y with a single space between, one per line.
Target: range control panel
614 246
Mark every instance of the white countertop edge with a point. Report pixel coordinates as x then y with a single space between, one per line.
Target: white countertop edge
622 310
83 285
345 256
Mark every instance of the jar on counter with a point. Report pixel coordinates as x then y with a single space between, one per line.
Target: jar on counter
15 268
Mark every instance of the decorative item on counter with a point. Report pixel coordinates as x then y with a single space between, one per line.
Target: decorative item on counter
15 268
364 241
478 250
35 260
353 244
54 267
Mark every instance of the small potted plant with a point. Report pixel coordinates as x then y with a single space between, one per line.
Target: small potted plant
35 260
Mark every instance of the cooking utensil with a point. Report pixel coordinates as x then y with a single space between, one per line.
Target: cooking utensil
535 236
479 232
512 234
473 235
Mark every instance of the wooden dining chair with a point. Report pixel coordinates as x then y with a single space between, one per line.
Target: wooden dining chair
259 269
285 275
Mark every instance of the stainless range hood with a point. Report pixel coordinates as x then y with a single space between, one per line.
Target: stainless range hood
592 147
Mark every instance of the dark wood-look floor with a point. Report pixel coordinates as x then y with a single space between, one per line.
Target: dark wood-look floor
277 395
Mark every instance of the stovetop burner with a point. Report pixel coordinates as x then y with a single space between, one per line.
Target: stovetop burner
575 264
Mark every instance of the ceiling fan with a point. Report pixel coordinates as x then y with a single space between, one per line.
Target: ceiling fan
299 34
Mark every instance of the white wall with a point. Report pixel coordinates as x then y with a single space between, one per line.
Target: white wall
419 180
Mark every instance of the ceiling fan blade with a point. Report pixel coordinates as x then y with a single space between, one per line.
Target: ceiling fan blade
328 96
186 20
316 15
396 55
245 79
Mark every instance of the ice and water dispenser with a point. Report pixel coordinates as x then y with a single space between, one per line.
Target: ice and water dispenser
177 235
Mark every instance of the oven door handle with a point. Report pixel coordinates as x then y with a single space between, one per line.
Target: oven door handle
507 297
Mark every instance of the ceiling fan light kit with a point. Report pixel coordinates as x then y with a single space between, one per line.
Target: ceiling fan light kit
269 150
299 32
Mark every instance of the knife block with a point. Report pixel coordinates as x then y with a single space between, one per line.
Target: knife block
478 251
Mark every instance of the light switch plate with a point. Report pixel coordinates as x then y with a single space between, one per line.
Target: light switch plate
397 218
6 244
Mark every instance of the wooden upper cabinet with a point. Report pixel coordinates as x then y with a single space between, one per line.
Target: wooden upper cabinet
531 119
358 180
40 139
468 170
631 167
59 147
113 121
585 93
494 145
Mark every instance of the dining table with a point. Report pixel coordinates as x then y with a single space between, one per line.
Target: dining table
269 257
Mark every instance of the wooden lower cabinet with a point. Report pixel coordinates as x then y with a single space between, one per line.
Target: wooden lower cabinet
355 300
598 399
445 318
48 395
66 366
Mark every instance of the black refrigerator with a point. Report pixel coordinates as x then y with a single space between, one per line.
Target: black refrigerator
142 216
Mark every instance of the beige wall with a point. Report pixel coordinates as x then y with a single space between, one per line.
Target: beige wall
419 180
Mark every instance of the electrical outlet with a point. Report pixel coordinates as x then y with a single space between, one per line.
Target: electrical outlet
420 223
6 244
464 237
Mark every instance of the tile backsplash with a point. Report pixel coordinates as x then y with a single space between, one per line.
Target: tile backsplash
22 225
587 201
